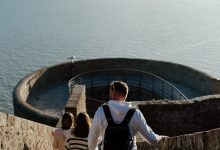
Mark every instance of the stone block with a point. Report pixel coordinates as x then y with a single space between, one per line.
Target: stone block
35 127
3 143
17 122
11 120
199 140
213 139
17 133
172 143
3 119
40 130
30 126
49 130
20 145
24 124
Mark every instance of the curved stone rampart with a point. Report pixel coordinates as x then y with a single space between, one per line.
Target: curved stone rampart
169 71
23 109
175 118
45 77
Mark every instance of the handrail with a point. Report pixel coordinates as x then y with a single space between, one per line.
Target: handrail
160 88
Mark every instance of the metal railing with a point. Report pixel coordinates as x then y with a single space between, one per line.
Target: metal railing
160 88
156 87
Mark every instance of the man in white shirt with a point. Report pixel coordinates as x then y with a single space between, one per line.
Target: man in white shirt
119 108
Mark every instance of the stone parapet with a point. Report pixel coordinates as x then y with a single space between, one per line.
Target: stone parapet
20 95
77 100
191 125
175 118
206 140
21 134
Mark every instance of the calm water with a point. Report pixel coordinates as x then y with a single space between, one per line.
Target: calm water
40 33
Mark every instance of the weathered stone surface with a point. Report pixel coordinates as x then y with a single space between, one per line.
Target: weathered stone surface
192 125
3 119
207 140
34 136
174 118
76 102
11 120
21 134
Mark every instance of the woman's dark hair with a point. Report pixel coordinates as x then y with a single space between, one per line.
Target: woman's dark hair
67 121
82 125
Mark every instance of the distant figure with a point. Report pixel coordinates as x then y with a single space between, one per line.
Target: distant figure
77 139
72 58
60 133
116 123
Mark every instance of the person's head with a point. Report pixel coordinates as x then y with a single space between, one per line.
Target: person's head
118 90
82 125
67 121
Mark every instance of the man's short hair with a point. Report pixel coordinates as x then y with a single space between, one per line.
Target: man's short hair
119 87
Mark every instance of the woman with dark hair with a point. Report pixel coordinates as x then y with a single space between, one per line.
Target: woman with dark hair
78 136
61 133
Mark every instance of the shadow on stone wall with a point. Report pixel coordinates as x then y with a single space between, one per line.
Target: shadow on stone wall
182 117
40 79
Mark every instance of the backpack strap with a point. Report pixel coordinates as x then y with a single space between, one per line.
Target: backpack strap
107 113
128 117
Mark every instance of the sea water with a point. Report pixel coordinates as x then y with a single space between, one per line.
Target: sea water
34 34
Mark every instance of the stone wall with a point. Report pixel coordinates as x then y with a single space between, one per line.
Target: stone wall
45 77
21 134
77 100
190 125
182 117
20 95
206 140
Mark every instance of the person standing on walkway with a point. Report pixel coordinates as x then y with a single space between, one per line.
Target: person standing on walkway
61 133
77 137
118 111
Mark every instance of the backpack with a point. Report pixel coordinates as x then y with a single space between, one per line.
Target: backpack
117 136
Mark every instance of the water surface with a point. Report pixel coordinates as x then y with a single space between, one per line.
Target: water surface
34 34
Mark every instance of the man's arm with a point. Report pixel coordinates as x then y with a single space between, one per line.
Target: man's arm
146 131
94 132
55 140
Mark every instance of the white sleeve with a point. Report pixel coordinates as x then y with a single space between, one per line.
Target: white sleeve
145 130
95 131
